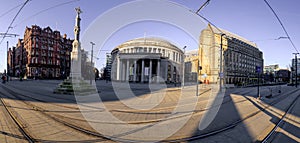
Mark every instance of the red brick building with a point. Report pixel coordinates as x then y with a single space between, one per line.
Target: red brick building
46 54
17 59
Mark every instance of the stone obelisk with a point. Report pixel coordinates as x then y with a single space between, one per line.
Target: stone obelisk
76 51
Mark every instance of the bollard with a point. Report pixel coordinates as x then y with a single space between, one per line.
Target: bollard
270 95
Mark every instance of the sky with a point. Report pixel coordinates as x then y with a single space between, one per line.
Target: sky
251 19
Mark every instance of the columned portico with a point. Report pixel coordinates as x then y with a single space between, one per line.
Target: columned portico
142 59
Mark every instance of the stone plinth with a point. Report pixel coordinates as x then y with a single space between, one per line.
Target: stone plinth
75 87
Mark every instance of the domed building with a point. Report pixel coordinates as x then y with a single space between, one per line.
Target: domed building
146 59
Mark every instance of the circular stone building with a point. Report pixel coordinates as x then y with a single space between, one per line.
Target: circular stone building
147 60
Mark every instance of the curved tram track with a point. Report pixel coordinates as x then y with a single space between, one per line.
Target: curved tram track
17 123
86 135
195 137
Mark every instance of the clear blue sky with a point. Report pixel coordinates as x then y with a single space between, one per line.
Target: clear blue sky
251 19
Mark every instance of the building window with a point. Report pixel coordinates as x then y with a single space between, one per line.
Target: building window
154 50
44 61
141 49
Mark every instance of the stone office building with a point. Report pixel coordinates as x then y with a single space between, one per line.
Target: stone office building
240 57
146 59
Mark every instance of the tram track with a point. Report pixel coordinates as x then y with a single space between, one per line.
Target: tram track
272 133
60 121
156 111
197 136
234 124
18 123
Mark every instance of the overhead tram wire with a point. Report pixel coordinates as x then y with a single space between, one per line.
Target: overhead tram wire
42 11
287 34
10 10
13 20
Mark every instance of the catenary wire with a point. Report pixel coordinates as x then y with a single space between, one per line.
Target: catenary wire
287 34
13 20
10 10
42 11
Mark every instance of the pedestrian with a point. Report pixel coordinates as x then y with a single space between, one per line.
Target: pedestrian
175 82
21 76
3 78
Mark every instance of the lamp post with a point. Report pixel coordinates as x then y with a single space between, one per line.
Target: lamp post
183 66
197 81
7 65
92 63
221 61
296 76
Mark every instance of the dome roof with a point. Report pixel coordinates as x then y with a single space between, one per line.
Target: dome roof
149 41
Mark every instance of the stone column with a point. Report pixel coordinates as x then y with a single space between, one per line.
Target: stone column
123 71
150 72
118 68
166 71
172 72
158 71
142 75
134 71
127 71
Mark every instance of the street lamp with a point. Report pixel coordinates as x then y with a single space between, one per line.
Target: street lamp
183 66
296 76
91 62
7 66
221 63
282 38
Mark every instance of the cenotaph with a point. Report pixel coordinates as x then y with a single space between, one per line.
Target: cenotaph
75 84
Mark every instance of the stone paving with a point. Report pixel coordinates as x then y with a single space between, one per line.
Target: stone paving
163 113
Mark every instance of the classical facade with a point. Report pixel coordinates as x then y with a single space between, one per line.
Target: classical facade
146 59
240 57
43 53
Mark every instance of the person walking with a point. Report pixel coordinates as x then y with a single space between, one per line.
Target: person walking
3 78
